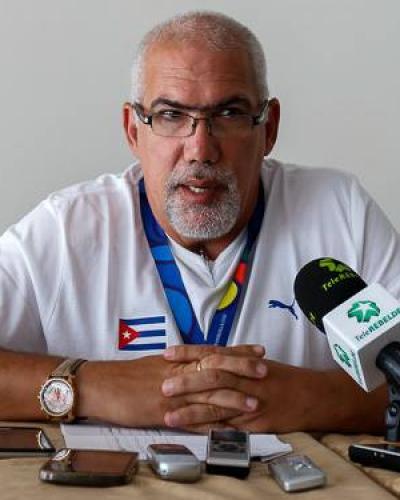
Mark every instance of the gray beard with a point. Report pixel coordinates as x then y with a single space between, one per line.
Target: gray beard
199 222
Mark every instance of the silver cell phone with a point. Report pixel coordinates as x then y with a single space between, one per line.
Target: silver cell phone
24 442
228 453
382 455
174 462
296 473
90 467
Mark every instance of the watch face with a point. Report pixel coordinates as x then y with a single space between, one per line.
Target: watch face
57 397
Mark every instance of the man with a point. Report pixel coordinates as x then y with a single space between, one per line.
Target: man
123 271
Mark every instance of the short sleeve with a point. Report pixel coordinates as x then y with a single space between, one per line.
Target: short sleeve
30 272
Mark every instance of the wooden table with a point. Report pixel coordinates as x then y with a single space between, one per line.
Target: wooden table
19 479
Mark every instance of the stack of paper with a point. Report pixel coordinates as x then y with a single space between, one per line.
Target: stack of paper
105 437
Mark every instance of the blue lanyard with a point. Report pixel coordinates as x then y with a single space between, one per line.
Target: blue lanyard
175 290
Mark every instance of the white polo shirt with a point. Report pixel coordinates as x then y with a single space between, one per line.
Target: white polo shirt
77 277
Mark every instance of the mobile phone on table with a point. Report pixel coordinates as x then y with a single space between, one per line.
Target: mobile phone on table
90 467
174 462
228 453
24 442
382 455
296 473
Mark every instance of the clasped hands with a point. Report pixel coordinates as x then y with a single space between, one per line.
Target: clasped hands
198 387
219 385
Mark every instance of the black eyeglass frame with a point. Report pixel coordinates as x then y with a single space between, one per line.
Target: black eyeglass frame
148 119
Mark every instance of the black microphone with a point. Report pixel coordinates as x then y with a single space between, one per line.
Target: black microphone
323 284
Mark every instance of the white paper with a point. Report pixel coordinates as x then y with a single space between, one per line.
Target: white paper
106 437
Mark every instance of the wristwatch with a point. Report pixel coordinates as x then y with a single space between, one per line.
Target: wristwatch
57 395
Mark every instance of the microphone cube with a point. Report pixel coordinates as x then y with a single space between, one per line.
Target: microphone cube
359 328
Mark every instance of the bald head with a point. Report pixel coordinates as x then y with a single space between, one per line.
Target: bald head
214 32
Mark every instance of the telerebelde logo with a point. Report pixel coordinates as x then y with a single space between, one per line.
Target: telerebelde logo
341 272
363 311
342 355
332 266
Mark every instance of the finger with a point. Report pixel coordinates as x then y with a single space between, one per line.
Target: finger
243 365
198 414
196 352
204 380
225 398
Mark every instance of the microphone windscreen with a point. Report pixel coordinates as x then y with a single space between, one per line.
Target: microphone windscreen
323 284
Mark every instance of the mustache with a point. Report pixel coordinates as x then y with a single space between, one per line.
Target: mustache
200 171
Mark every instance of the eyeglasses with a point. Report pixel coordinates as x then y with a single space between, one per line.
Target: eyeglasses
224 122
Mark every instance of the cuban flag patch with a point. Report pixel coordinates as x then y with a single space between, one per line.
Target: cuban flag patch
142 334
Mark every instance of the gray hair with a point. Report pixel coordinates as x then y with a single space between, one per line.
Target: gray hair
216 31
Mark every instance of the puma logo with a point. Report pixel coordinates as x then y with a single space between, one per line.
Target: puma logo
273 304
